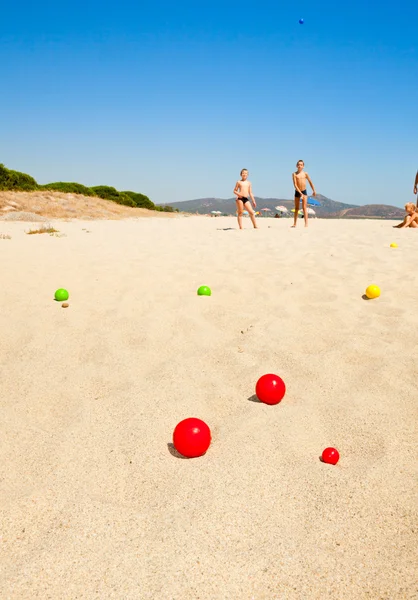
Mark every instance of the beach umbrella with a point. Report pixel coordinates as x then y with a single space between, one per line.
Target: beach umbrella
310 211
313 202
245 212
281 208
299 211
269 209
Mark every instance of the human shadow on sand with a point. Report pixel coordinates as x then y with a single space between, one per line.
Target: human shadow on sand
226 228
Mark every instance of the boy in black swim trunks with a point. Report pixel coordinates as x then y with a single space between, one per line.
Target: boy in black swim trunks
244 192
299 181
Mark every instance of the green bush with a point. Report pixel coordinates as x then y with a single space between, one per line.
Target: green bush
166 209
68 188
110 193
141 201
14 180
126 200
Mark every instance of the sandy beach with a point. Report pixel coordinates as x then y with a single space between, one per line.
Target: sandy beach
94 502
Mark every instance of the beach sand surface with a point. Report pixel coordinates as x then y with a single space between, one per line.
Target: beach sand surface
94 501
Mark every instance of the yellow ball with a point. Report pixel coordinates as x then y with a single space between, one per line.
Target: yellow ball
393 245
373 291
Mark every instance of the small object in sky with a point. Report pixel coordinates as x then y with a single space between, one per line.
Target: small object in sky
301 21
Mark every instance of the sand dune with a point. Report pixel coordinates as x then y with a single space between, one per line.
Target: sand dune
93 502
57 205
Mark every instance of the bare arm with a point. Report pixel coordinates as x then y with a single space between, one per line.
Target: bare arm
311 184
251 196
236 188
407 222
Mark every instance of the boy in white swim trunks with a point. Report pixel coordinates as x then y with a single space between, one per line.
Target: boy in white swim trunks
244 194
299 181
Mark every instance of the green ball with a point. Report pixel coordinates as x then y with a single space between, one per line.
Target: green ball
204 290
61 295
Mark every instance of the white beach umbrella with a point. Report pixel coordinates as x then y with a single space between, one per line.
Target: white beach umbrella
281 208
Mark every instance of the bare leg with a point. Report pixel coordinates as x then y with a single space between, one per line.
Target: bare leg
240 208
295 217
401 224
414 225
305 209
405 223
252 215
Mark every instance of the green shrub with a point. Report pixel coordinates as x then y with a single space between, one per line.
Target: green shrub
141 201
126 200
166 209
68 188
110 193
14 180
106 192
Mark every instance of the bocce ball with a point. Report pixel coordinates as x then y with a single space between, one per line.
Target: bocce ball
330 456
204 290
191 437
61 295
270 389
373 291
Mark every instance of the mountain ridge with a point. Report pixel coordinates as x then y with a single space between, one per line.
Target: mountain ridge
328 208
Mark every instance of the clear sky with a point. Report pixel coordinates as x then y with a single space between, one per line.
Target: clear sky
173 99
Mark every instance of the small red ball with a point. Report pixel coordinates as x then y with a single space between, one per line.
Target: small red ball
270 389
191 437
330 456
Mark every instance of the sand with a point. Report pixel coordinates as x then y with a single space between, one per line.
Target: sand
94 501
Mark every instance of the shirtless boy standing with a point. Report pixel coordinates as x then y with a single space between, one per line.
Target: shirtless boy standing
299 181
243 192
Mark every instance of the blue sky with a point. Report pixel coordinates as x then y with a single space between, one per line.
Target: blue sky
172 100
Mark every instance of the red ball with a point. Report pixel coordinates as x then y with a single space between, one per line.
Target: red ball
191 437
330 456
270 389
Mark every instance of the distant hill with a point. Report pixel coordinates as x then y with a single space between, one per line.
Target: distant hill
328 209
370 211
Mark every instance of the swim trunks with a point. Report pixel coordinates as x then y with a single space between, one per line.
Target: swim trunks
243 199
298 194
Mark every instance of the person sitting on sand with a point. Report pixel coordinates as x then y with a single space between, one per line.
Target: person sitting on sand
411 219
243 192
